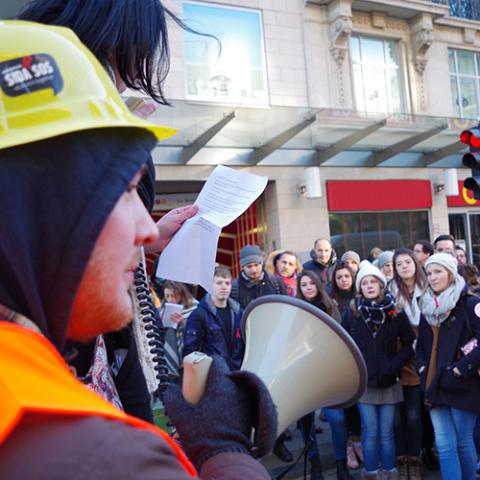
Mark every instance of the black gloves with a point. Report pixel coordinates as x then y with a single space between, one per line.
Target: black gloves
222 421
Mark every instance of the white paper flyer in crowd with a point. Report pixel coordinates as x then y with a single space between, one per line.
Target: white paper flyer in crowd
190 255
168 309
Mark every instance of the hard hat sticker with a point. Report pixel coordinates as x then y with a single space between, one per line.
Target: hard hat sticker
23 75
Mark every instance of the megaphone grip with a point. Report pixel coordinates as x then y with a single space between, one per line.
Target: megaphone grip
196 366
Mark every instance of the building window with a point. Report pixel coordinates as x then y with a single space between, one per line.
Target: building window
235 70
377 76
464 81
388 230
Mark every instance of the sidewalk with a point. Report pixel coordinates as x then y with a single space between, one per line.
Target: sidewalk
275 466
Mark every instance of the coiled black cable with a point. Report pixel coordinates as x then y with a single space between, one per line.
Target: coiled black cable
155 333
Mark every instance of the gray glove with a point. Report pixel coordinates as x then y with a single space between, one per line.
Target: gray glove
222 421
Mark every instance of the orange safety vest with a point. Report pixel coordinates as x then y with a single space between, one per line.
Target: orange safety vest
35 378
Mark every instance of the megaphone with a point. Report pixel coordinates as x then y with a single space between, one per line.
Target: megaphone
305 358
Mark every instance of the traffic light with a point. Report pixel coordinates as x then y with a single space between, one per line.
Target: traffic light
472 160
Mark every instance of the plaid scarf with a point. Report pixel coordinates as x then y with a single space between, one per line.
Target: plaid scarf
375 313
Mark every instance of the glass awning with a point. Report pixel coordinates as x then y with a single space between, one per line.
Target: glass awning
293 136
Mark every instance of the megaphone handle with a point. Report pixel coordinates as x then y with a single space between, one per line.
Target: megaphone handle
196 366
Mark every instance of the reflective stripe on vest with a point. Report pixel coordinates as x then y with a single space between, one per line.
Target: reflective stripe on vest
34 378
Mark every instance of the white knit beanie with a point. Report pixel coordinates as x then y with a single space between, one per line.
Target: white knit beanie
366 269
446 260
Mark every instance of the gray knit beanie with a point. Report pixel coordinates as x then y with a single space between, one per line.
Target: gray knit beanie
351 255
250 254
384 258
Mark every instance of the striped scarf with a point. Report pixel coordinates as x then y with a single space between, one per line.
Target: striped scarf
375 313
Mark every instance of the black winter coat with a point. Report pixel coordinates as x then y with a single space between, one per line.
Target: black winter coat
447 389
381 352
324 272
245 291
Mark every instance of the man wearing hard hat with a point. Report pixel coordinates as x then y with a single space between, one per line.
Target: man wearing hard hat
72 224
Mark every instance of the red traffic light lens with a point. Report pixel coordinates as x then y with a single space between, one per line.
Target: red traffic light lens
470 139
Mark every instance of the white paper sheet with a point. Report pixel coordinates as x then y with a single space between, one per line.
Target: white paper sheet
168 309
190 255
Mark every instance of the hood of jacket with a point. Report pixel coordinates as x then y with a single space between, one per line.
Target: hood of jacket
57 195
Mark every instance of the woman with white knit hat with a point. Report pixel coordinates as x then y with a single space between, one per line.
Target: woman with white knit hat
385 338
447 360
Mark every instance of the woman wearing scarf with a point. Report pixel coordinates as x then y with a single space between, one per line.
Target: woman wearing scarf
448 359
407 286
385 338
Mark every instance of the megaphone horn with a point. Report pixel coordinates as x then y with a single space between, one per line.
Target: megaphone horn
306 359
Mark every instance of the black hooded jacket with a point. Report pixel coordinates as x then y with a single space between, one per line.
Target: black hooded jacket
56 197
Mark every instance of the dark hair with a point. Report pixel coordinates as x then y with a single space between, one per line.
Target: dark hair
181 290
134 32
470 273
279 255
336 292
420 277
445 237
223 272
427 247
321 297
459 247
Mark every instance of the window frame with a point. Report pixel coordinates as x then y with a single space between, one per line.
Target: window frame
225 101
458 76
401 65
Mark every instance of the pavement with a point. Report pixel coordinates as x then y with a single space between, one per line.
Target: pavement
276 466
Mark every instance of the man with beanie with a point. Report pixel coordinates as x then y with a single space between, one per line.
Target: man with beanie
254 281
72 226
352 260
323 260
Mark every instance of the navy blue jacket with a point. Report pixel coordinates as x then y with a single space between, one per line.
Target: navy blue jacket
205 332
446 389
381 353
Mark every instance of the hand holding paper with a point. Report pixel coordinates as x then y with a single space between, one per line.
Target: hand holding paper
190 255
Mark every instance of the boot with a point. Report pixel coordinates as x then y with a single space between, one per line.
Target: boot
414 468
342 471
281 451
430 460
390 475
402 465
316 468
371 475
352 461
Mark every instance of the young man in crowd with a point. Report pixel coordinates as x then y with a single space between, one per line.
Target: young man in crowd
323 260
445 244
254 281
286 267
214 326
72 223
422 250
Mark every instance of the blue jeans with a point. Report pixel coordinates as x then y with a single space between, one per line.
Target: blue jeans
408 422
377 436
336 419
454 438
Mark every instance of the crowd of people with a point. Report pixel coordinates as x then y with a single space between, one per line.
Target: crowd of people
415 316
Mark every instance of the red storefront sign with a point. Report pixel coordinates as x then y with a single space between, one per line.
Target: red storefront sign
463 199
378 195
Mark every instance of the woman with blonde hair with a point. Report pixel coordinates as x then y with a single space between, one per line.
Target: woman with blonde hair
448 359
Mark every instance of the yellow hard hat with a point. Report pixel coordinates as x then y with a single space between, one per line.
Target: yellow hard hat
51 84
